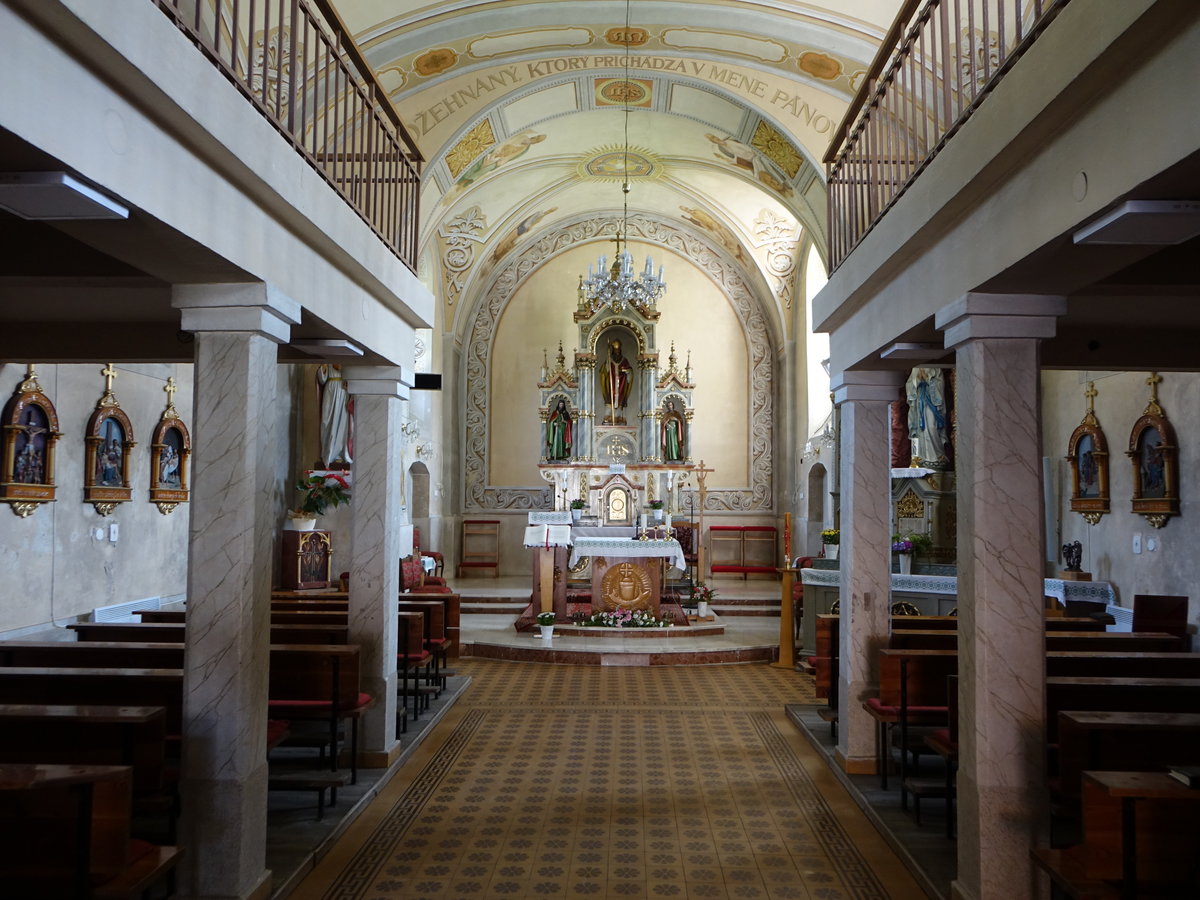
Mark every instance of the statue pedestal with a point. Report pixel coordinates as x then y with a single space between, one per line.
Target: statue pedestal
1067 575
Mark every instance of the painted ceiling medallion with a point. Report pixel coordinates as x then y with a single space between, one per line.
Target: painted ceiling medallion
635 92
469 146
435 61
819 65
777 148
608 164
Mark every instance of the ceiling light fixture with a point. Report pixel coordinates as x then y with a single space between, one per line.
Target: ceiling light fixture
616 286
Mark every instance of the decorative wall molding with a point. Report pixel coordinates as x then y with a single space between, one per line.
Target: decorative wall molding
780 237
478 495
459 237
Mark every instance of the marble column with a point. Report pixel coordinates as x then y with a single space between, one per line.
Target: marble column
1002 808
376 545
234 513
865 557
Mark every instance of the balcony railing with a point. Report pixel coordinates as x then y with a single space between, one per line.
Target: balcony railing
938 62
297 63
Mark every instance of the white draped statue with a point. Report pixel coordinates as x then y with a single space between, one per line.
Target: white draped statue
927 416
335 417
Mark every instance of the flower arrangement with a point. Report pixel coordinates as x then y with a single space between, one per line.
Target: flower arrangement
545 618
901 545
578 504
918 543
656 504
627 618
702 593
319 492
831 536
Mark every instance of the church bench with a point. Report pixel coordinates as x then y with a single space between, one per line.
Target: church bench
1133 694
173 632
412 656
315 596
67 835
1124 641
1102 663
744 537
1121 742
336 618
320 682
434 634
912 691
1139 839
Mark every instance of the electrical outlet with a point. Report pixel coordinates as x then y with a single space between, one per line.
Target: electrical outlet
1151 544
114 532
1137 543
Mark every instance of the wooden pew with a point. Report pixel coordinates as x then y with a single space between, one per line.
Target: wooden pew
411 657
67 835
1140 838
1110 663
434 630
912 691
1121 694
1121 742
337 617
320 682
172 633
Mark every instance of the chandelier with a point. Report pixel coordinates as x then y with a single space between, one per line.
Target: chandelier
616 286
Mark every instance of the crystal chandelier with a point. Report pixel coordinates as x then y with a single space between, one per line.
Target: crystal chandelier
616 286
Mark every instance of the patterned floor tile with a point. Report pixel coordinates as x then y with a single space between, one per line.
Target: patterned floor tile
567 782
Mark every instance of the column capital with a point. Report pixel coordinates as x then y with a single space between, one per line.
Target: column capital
878 385
254 307
380 381
976 316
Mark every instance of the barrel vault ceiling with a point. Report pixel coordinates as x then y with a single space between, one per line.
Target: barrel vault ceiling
519 109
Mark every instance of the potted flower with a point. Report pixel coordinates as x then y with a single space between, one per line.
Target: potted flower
317 493
831 538
545 621
903 548
657 507
577 506
702 596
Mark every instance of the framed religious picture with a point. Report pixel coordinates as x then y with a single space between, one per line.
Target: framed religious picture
1087 454
170 448
109 443
1154 455
30 431
307 556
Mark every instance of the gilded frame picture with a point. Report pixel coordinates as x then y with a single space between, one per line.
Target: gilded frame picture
1154 455
109 444
30 432
170 450
1087 454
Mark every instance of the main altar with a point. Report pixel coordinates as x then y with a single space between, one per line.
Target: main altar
617 456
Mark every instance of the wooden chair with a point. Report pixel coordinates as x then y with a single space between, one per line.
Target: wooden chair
944 742
439 567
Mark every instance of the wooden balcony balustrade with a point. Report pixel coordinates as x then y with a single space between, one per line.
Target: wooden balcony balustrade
936 64
299 65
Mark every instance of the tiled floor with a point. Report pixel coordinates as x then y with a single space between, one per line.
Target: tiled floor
557 781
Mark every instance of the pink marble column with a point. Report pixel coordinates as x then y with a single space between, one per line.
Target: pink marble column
233 520
865 557
1002 808
375 546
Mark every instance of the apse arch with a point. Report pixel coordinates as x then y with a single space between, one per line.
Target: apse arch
489 305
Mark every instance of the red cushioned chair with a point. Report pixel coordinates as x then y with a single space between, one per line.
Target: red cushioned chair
439 561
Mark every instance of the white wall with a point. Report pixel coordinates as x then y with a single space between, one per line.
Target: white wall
1174 568
55 567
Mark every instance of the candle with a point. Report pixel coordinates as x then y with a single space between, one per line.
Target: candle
642 521
668 522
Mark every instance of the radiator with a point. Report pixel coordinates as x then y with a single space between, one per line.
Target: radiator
1123 615
123 612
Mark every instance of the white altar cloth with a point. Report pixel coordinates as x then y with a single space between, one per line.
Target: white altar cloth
599 546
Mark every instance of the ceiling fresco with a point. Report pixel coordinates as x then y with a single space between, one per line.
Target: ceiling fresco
520 109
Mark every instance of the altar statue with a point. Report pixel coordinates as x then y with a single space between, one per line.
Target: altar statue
616 381
927 416
672 445
558 432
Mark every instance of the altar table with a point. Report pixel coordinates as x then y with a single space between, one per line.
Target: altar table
625 572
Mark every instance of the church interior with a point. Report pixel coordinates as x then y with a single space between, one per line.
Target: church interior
764 324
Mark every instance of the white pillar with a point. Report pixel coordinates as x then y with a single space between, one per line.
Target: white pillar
1002 810
233 520
865 557
375 545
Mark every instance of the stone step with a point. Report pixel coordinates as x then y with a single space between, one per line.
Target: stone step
493 609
